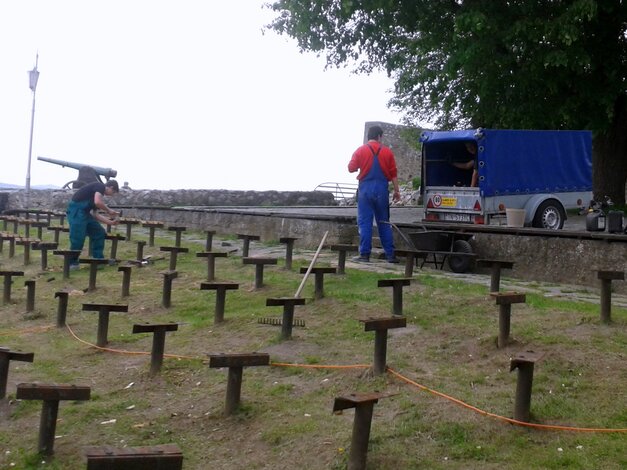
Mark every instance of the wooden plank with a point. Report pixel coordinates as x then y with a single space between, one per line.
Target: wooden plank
239 360
373 324
259 260
403 281
34 391
165 456
150 328
109 307
279 301
356 399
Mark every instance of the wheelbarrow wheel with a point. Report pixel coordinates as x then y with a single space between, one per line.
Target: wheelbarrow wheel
460 264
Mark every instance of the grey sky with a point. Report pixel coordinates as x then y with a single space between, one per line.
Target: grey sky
185 94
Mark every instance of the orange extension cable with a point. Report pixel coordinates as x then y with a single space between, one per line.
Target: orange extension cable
401 377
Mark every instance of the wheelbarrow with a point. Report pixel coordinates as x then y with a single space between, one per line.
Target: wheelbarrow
438 246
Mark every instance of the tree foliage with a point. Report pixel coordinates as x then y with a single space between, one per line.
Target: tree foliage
541 64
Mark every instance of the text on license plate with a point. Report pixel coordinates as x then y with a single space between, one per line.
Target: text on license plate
456 217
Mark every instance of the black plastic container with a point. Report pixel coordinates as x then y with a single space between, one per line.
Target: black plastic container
595 221
615 221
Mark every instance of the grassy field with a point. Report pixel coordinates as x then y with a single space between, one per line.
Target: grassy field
451 392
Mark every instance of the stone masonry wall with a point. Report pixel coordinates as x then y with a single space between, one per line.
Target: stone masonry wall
403 141
48 199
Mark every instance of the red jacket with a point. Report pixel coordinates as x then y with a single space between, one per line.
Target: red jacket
363 157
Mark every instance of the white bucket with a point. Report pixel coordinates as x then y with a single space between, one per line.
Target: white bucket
515 217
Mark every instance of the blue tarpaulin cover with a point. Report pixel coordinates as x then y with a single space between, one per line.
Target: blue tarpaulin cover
512 161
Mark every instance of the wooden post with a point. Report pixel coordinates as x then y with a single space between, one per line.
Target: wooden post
168 277
103 319
289 250
6 356
220 288
50 395
381 326
397 292
495 266
505 300
319 272
364 406
259 265
343 250
235 364
606 278
158 342
288 304
246 244
7 284
524 362
211 262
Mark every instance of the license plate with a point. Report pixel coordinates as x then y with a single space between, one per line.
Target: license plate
456 217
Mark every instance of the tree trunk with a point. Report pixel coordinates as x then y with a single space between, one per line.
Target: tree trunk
609 157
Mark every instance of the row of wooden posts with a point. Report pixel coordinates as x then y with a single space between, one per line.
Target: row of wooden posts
363 403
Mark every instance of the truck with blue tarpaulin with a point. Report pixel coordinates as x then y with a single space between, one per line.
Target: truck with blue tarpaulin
472 176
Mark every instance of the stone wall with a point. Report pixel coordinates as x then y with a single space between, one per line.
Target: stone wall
403 141
48 199
270 227
546 259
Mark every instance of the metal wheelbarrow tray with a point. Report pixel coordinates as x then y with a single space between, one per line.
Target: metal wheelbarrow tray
436 246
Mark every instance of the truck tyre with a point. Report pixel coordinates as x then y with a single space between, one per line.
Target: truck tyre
550 215
460 264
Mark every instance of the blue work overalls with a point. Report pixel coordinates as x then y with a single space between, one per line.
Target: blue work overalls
83 224
373 202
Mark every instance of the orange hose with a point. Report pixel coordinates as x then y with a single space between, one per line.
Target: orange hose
395 374
502 418
123 351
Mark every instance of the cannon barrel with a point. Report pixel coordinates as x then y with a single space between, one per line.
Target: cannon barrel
106 172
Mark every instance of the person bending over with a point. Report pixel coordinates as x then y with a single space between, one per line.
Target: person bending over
83 217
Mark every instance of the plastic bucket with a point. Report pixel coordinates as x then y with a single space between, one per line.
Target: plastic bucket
515 217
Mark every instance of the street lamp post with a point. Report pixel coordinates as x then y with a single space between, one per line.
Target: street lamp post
33 76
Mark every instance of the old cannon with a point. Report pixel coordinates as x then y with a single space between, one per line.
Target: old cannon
86 173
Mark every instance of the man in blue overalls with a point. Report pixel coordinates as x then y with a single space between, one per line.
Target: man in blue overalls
83 217
377 166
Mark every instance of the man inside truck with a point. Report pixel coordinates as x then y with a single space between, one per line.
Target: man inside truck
471 149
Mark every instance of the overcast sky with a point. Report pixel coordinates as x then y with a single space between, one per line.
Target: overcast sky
185 94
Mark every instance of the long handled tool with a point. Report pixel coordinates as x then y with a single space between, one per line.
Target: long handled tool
313 261
407 241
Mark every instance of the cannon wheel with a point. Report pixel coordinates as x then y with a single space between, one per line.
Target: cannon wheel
74 184
460 264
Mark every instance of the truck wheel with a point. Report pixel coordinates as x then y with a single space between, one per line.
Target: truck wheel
460 264
550 215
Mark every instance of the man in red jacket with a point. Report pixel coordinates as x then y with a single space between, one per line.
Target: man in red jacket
377 166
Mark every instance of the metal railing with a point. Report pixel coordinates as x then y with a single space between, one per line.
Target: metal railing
341 191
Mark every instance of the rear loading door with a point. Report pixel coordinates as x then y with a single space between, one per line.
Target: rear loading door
453 204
